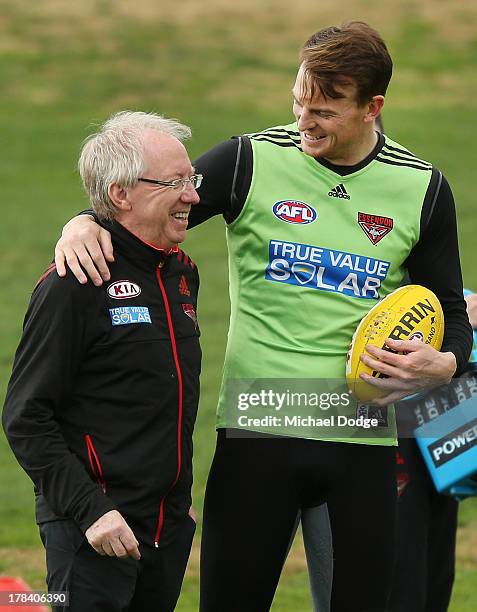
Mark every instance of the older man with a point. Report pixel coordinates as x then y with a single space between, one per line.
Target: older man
103 396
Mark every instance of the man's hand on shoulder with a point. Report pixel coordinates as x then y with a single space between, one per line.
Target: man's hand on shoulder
410 366
111 535
84 245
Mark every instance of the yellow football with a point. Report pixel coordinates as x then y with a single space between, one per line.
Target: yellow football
407 313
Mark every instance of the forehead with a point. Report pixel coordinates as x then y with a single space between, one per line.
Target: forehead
304 86
165 154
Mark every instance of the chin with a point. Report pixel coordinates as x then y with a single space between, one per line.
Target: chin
179 238
319 151
314 152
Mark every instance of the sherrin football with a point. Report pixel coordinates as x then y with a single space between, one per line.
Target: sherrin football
409 312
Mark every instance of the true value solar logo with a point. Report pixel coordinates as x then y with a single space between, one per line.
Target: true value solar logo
316 267
294 211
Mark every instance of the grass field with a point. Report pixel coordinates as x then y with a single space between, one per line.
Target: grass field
224 69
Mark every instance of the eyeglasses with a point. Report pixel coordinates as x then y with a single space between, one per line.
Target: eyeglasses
195 180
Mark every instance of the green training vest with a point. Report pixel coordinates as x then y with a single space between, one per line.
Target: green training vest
311 252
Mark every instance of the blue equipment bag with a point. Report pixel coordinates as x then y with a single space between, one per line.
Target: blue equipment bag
444 424
448 442
449 446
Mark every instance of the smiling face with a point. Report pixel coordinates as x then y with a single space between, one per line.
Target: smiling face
336 129
155 213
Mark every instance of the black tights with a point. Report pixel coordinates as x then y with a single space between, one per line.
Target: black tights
254 490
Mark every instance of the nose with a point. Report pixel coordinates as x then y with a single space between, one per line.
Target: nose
190 195
305 119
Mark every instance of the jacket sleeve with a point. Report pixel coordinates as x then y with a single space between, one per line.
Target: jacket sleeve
51 348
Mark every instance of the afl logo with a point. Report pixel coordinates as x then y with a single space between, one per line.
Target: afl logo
417 336
123 289
294 211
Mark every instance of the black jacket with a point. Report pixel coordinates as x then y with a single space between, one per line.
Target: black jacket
103 396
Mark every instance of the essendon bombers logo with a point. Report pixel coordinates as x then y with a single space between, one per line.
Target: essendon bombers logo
374 226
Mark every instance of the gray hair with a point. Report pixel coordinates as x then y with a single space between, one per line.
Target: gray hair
115 154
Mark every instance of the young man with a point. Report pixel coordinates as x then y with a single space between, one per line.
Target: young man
324 216
103 396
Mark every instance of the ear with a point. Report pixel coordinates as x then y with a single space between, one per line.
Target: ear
119 196
374 108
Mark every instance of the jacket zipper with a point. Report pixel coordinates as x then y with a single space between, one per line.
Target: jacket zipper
95 463
160 521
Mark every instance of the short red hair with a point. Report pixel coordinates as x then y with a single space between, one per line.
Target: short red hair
352 53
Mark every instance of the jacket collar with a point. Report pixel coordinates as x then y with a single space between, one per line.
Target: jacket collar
144 253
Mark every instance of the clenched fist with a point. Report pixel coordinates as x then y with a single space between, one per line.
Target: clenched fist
111 535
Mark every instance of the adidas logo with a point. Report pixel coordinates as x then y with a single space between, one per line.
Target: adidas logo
339 192
183 288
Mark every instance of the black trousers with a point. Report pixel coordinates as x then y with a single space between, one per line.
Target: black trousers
254 491
427 525
109 584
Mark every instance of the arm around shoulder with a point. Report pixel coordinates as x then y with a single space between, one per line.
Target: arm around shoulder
85 247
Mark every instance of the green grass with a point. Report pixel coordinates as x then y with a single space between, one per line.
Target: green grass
224 70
